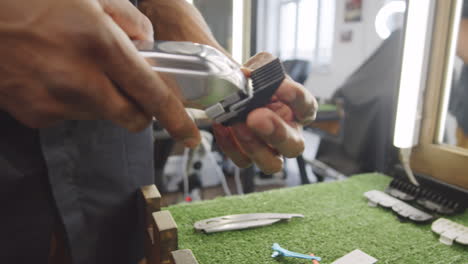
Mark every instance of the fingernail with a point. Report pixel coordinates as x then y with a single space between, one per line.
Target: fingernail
243 133
308 120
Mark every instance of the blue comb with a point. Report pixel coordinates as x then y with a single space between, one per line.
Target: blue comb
281 252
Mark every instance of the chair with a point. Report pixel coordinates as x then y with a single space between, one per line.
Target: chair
297 69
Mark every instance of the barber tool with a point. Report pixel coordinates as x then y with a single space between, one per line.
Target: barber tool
431 194
211 81
403 209
278 251
450 231
356 257
241 221
404 191
183 256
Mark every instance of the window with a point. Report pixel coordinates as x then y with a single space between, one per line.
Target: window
297 29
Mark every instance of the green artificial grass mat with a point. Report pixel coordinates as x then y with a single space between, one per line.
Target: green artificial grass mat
337 220
327 107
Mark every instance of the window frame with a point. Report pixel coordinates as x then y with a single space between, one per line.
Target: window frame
446 163
315 56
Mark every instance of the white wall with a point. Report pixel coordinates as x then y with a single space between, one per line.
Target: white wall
348 56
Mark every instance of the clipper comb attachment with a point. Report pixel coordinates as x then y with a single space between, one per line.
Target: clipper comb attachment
265 82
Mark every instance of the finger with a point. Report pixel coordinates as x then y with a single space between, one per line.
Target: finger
129 18
89 94
301 101
272 129
114 106
226 142
261 154
124 113
136 79
259 60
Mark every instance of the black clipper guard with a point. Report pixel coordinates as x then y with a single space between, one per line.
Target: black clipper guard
265 81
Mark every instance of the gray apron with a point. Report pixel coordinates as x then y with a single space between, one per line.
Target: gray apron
85 172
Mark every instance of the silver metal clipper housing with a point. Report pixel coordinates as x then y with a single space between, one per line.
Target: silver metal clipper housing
211 81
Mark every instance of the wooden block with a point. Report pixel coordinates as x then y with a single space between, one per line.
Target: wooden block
184 256
152 203
151 199
165 235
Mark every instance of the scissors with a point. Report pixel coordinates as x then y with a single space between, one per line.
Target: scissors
241 221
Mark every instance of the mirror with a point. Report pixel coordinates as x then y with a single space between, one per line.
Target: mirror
435 156
454 131
348 54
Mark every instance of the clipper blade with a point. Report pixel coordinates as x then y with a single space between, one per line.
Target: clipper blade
265 81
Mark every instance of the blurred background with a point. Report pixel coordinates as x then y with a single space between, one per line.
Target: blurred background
346 52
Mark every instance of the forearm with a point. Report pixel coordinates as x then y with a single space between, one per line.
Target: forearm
178 20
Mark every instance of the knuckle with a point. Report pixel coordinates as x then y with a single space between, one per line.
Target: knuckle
313 106
103 47
177 121
97 41
309 116
96 46
309 119
61 81
300 149
90 34
264 54
310 107
122 112
147 27
259 60
314 103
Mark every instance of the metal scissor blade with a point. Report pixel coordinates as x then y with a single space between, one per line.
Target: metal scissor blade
241 225
241 221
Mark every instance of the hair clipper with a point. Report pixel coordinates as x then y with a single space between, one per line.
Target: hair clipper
210 80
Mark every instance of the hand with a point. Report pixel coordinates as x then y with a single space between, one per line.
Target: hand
74 60
272 131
